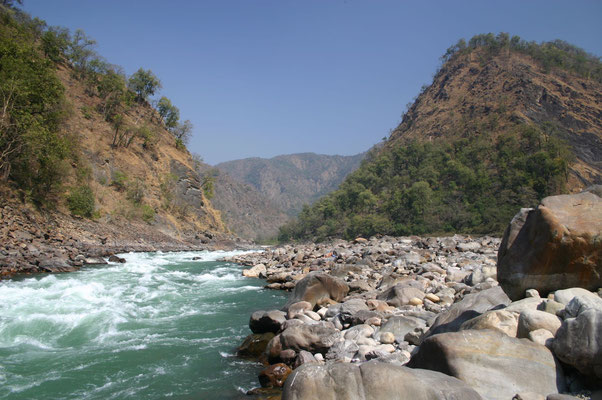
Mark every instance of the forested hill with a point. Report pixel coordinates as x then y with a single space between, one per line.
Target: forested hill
293 180
82 144
504 123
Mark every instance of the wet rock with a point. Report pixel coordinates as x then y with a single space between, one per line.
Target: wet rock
274 375
117 259
555 246
94 261
254 345
494 364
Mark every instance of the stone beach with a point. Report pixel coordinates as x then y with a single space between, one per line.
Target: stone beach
425 317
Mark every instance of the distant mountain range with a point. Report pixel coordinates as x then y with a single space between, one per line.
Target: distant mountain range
257 195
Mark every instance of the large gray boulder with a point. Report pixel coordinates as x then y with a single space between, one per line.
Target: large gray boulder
494 364
471 306
555 246
578 342
315 338
373 380
318 288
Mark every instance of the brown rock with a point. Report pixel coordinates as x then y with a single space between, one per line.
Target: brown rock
274 375
555 246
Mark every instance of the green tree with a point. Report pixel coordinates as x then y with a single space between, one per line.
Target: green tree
168 112
32 149
81 50
144 83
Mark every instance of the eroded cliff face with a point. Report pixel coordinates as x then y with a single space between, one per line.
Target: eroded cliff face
161 175
147 194
476 93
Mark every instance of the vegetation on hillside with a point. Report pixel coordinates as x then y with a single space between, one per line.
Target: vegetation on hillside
470 181
35 151
555 54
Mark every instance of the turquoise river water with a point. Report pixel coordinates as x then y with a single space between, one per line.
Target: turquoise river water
160 326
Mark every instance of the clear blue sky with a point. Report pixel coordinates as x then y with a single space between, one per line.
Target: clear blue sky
268 77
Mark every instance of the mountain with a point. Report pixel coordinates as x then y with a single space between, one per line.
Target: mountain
244 210
84 156
292 181
504 123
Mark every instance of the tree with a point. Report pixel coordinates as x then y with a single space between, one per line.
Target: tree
168 112
144 84
55 43
81 50
182 132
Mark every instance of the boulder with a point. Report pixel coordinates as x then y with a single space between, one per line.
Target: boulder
298 308
304 357
373 380
254 345
499 320
274 375
55 264
94 261
531 320
400 295
258 271
578 342
317 289
316 338
266 321
555 246
494 364
472 305
400 326
543 337
564 296
116 259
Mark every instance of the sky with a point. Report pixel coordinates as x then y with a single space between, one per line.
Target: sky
260 78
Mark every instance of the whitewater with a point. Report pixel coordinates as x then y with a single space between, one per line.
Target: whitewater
162 325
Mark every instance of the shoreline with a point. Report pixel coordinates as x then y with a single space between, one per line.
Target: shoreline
406 306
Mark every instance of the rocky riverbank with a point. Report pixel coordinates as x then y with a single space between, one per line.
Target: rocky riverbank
425 318
33 242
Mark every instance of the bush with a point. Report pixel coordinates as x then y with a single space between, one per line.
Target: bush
148 213
119 180
81 201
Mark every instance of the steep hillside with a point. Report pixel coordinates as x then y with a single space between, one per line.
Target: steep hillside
291 181
84 156
504 123
244 210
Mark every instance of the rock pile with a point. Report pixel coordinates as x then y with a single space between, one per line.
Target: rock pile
424 318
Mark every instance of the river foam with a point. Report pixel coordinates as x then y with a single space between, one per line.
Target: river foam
155 325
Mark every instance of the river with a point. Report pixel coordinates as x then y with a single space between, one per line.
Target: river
159 326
